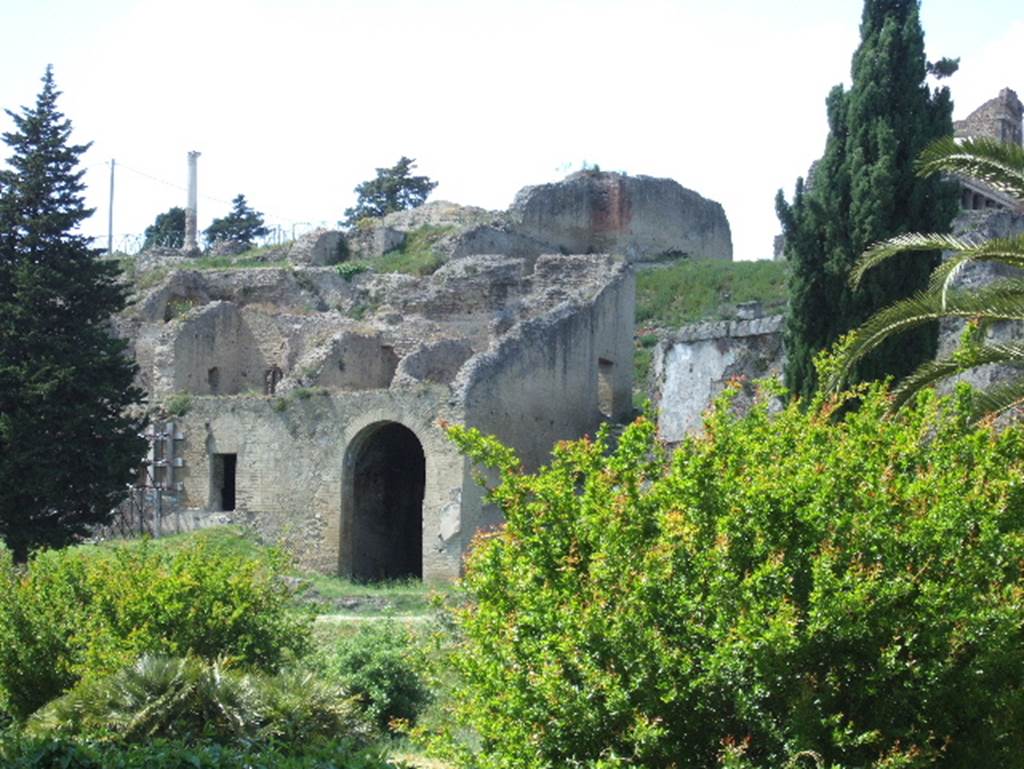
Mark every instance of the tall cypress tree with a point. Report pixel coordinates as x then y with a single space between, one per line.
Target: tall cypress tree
67 443
865 190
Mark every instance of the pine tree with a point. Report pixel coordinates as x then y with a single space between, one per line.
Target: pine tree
167 230
68 446
394 189
865 190
243 225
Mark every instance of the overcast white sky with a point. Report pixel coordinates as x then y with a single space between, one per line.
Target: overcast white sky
294 103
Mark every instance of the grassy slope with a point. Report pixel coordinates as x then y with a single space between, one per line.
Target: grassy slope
694 290
706 289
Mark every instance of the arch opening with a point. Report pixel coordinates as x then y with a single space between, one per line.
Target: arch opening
387 470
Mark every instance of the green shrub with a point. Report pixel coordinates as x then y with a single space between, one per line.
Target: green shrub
384 665
83 612
178 404
349 270
789 583
18 752
192 699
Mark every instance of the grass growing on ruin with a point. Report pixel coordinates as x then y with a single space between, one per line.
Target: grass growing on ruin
706 289
416 256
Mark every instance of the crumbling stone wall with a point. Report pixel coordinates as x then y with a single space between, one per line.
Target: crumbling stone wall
542 382
639 217
298 376
292 461
999 118
693 365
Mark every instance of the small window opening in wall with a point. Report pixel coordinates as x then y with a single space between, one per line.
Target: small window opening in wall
271 379
213 379
605 387
222 481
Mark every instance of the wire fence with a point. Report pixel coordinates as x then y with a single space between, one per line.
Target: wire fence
133 243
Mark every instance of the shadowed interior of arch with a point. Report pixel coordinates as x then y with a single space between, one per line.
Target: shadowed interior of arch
387 522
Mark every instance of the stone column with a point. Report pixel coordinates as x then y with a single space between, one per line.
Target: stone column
191 246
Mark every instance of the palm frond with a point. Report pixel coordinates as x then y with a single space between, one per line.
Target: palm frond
998 164
1007 251
1002 300
887 249
960 361
999 400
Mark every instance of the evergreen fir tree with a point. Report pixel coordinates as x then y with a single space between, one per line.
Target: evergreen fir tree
68 446
865 190
243 225
394 189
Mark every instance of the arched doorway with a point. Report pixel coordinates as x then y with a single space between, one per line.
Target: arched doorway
383 504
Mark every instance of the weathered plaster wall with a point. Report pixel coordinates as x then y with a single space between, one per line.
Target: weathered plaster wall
291 462
215 353
695 364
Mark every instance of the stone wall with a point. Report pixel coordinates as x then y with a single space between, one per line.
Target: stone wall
636 217
999 118
693 365
639 217
984 225
316 401
546 380
292 457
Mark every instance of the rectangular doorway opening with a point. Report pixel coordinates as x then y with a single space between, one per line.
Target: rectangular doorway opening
222 481
605 388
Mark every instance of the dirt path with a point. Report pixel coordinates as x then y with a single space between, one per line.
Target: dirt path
336 618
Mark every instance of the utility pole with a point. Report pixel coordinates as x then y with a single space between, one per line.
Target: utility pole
191 247
110 211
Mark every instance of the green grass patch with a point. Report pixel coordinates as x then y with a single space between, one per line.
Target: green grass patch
372 599
706 289
416 256
220 540
241 262
643 357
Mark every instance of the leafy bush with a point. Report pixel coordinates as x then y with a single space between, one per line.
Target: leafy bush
789 583
349 270
178 404
18 752
83 612
382 664
191 699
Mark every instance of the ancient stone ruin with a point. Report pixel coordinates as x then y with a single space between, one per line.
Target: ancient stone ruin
640 218
308 402
1000 119
694 364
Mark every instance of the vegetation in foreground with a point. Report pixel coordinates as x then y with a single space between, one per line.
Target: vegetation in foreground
822 581
191 649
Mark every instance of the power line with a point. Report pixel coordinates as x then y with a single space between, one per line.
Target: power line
204 197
